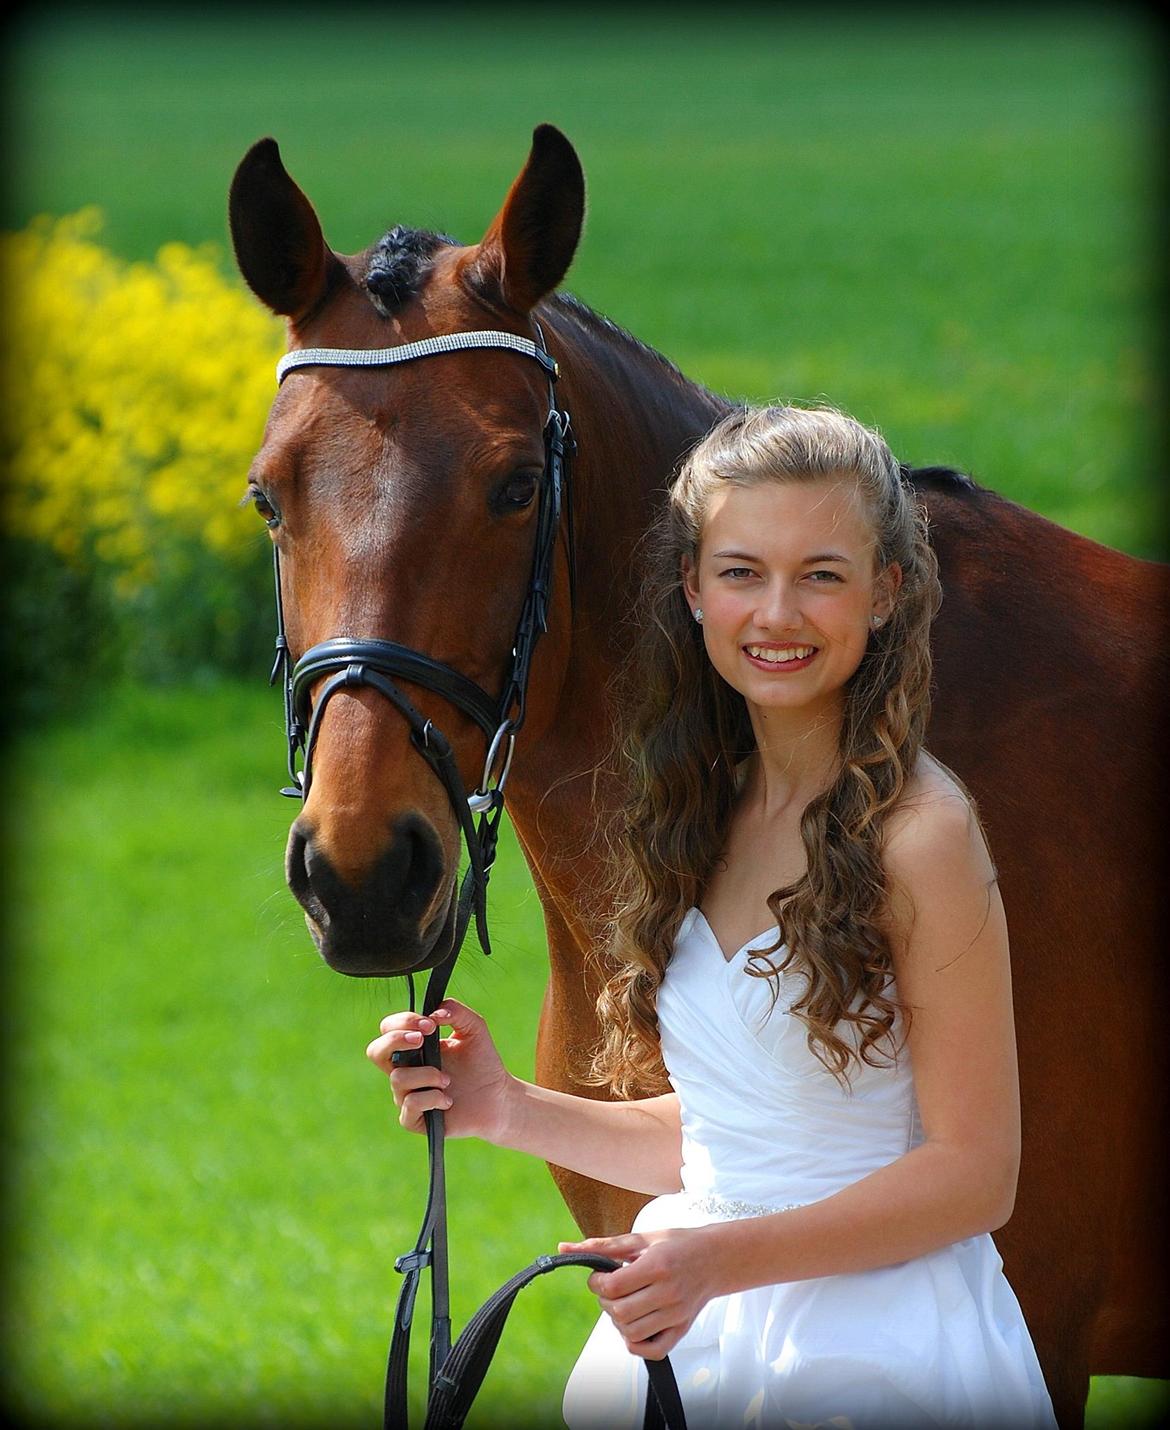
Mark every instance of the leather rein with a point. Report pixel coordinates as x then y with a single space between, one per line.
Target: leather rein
345 663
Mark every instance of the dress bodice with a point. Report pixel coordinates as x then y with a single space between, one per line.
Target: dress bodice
935 1341
763 1121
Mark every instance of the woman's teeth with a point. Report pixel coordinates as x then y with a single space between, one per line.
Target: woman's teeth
777 656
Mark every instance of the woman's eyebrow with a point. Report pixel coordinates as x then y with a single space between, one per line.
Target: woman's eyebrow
807 561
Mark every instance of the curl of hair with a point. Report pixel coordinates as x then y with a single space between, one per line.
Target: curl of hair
398 263
686 731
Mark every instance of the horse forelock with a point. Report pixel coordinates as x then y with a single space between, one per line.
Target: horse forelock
398 265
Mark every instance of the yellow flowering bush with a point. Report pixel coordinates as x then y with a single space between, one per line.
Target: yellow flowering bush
137 395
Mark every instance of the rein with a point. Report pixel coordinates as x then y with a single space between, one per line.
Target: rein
456 1372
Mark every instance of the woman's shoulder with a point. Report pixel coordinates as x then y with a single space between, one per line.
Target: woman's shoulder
941 887
934 824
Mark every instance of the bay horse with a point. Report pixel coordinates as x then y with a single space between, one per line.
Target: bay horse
402 504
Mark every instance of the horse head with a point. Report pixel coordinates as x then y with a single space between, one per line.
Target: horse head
403 502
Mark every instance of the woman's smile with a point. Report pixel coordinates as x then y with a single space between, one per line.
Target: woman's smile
780 659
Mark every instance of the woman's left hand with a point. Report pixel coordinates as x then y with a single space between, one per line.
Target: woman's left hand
654 1298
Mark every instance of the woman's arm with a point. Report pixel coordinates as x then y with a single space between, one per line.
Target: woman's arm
949 941
637 1145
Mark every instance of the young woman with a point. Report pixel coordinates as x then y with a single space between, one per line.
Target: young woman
809 942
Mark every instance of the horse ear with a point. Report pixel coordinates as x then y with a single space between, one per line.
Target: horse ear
278 241
530 244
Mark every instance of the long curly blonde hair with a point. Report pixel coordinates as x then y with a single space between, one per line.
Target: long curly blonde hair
686 731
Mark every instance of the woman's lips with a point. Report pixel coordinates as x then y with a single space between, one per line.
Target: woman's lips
780 660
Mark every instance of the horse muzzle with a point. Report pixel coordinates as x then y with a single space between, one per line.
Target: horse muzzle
386 923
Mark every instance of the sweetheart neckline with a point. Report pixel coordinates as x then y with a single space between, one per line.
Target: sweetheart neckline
732 958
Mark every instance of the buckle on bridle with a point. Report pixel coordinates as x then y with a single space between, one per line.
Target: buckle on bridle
412 1261
486 797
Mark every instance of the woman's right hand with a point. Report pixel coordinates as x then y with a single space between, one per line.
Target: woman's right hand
473 1088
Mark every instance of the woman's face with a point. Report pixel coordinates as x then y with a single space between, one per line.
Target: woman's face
785 576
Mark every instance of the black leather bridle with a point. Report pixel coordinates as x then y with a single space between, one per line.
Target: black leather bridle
346 663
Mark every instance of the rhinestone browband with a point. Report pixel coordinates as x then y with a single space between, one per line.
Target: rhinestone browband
408 352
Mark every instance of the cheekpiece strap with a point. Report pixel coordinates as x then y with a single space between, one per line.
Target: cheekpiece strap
408 352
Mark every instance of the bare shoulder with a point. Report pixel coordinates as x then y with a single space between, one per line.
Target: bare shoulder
935 820
938 867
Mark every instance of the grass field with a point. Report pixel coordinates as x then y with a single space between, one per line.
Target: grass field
944 225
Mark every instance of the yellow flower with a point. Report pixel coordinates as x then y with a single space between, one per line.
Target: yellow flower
137 397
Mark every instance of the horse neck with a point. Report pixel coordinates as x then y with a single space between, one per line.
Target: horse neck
634 416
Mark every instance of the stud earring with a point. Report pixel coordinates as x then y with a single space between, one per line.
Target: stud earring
699 614
875 622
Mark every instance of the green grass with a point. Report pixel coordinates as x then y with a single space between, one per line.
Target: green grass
945 224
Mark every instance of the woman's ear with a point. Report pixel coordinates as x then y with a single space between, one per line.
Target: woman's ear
885 591
690 582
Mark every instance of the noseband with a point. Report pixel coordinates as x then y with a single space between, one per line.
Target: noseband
347 664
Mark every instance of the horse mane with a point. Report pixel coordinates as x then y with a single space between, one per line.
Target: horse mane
947 478
934 477
604 327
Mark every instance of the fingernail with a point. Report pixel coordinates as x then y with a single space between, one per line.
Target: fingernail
413 1038
442 1012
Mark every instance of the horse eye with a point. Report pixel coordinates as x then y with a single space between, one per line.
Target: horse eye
516 492
266 509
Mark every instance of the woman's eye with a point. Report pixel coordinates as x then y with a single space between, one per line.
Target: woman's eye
737 573
517 491
820 577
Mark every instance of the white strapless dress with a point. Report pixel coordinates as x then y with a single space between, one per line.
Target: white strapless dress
939 1341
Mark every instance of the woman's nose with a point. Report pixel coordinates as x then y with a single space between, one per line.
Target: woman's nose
779 610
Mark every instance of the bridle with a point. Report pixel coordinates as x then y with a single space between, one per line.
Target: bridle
347 663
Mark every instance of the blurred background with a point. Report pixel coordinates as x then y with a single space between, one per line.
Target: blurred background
944 224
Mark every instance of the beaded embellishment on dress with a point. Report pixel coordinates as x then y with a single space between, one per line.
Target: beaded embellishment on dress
732 1208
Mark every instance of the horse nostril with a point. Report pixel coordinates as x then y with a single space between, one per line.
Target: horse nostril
294 861
417 863
297 868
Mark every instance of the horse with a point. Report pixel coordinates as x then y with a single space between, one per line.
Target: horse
403 505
